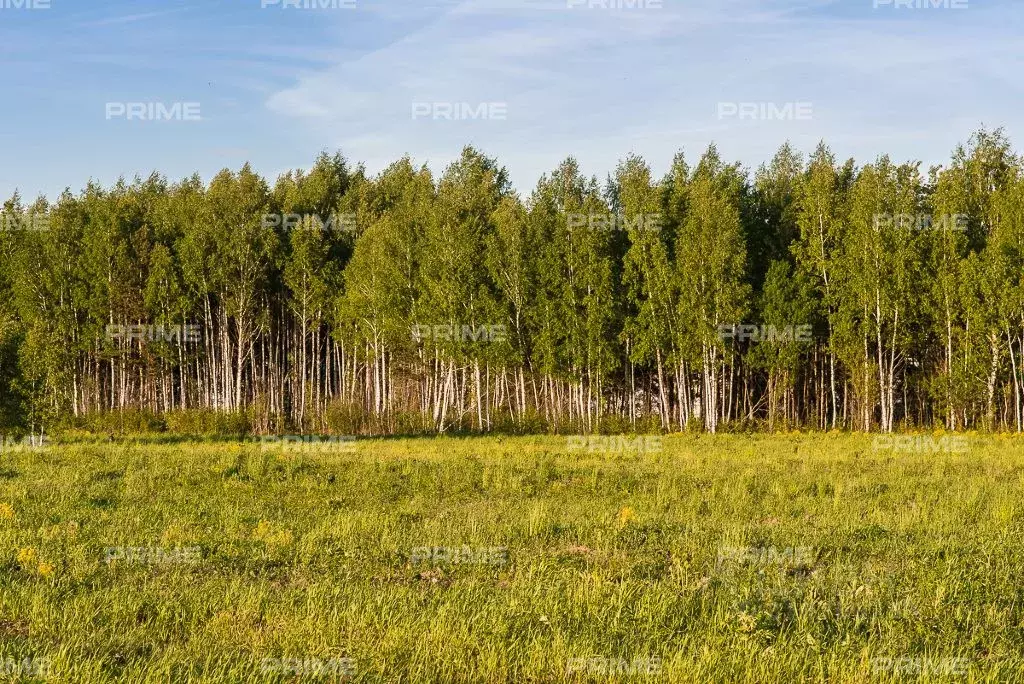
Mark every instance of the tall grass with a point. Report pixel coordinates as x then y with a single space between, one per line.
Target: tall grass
905 562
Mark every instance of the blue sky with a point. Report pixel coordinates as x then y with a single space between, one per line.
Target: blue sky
277 85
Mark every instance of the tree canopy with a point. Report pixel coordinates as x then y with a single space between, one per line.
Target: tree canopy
807 293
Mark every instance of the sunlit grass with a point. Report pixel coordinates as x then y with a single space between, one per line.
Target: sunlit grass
729 558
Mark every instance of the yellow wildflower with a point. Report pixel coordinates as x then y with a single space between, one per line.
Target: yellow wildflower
6 511
45 569
174 534
27 557
626 515
268 535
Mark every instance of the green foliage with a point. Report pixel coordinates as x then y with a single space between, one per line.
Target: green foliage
601 305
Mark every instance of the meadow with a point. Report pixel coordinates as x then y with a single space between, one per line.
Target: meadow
728 558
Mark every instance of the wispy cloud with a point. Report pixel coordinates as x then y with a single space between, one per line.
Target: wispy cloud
600 83
596 83
131 18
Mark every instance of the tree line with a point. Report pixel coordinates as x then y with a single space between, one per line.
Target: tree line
809 293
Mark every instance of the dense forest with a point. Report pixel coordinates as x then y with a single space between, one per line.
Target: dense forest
335 301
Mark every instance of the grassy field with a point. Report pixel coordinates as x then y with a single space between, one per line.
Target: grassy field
717 559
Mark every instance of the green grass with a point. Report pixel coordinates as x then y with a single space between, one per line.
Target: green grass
909 556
